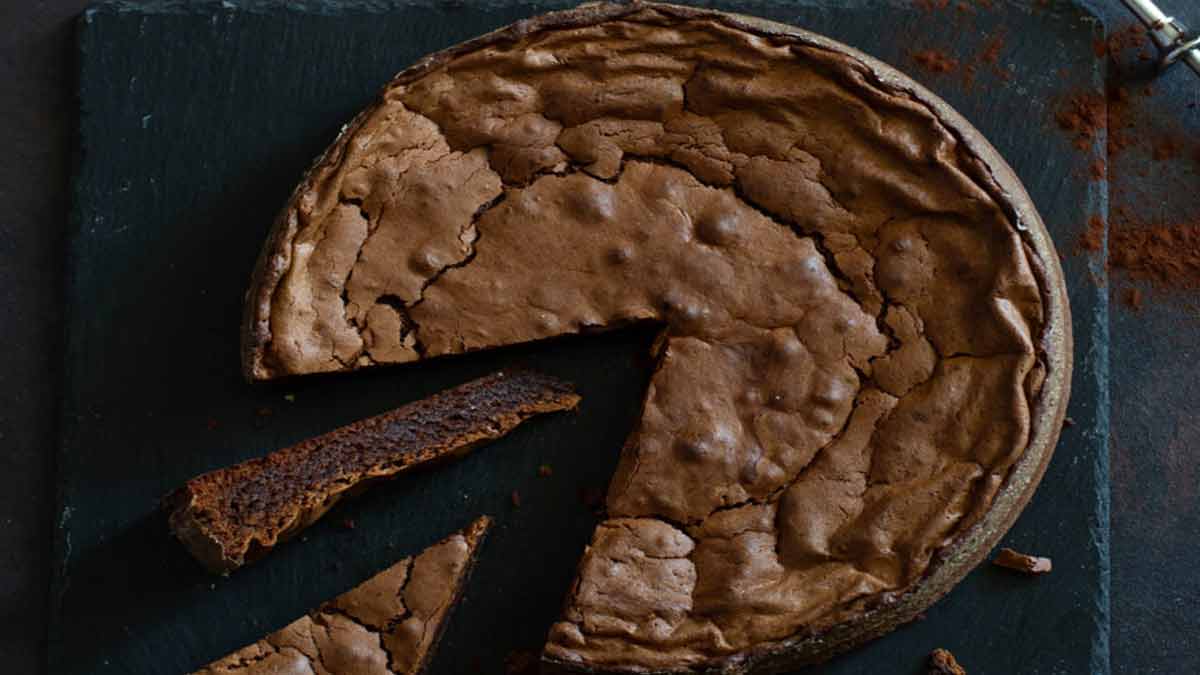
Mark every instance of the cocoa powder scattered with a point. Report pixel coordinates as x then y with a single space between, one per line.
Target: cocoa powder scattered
1084 116
1132 297
938 61
1166 255
935 61
1092 239
992 48
1130 37
932 5
1166 148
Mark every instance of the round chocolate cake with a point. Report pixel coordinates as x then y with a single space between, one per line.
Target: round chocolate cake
865 350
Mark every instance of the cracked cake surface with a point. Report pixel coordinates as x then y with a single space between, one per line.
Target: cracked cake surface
388 625
859 308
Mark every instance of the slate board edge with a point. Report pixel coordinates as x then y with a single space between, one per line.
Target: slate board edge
1101 433
71 294
71 405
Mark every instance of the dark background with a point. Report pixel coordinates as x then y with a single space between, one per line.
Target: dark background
1156 500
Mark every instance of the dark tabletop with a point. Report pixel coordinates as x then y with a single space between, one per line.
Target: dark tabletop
1156 498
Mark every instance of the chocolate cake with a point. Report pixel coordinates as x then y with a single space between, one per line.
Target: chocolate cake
389 624
234 515
865 354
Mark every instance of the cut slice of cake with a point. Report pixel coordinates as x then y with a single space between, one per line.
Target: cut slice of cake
389 624
231 516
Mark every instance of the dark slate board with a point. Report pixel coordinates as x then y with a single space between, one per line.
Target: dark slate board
1155 429
196 121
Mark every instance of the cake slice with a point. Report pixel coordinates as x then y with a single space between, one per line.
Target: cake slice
231 516
387 625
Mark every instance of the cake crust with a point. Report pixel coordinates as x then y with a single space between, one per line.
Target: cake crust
651 522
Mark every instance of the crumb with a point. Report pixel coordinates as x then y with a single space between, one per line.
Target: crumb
516 499
290 398
942 662
264 412
521 662
1068 422
349 523
213 424
1022 562
1132 297
545 470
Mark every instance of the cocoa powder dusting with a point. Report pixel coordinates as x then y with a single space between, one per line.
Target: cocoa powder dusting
931 5
1092 238
1130 37
1166 255
1132 297
1166 148
935 61
1084 116
991 48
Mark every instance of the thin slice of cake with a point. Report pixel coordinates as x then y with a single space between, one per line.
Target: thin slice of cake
387 625
231 516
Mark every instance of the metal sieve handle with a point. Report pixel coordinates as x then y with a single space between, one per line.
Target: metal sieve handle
1172 37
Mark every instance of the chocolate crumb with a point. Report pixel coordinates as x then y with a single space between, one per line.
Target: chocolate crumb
1022 562
349 523
942 662
545 470
264 412
516 499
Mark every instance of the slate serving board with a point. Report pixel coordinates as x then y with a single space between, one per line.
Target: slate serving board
196 120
